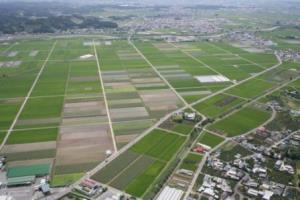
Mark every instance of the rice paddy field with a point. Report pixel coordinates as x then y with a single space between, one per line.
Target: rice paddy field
65 102
241 121
135 170
191 161
210 139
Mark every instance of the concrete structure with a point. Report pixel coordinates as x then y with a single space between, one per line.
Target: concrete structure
169 193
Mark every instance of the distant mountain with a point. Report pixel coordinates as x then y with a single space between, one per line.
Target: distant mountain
16 17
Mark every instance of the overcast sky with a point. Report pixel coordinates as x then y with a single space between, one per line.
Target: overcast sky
169 2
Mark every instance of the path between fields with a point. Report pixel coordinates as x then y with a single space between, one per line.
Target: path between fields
125 148
27 97
10 46
229 52
164 79
197 60
157 72
101 165
105 100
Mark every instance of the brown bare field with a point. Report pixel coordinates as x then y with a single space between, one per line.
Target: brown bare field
74 121
38 121
125 138
116 84
82 150
83 144
84 109
146 80
15 148
119 113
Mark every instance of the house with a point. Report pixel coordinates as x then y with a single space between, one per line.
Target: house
253 192
251 183
281 166
232 173
267 195
190 116
295 113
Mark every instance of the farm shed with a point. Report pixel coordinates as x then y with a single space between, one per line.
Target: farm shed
31 170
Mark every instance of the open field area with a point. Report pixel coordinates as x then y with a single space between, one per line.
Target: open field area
219 105
149 100
135 170
191 162
210 139
241 121
70 101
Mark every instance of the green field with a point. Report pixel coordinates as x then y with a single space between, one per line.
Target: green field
136 169
66 105
240 122
63 180
230 149
210 139
191 161
218 105
251 89
31 136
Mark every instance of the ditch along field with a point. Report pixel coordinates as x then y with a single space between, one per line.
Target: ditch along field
74 105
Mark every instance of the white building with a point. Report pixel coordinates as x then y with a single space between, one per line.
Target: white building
169 193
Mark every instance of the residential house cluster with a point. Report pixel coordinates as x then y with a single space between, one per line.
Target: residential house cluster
289 54
215 187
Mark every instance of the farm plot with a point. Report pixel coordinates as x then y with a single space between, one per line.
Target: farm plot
230 149
32 117
263 60
66 105
16 82
219 105
84 134
179 70
240 122
33 139
208 48
73 49
184 127
135 93
26 50
191 162
229 65
234 62
136 169
210 139
10 108
281 74
251 88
